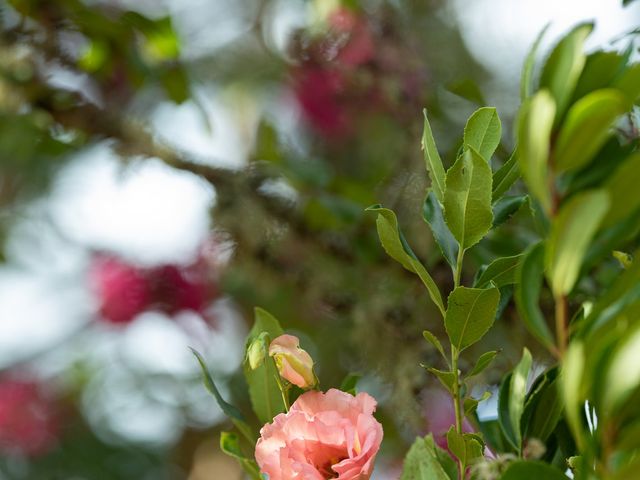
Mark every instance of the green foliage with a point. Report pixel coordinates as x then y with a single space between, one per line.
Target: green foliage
433 215
482 363
422 462
470 314
505 176
467 447
532 471
500 272
467 199
512 400
433 340
483 132
230 444
433 161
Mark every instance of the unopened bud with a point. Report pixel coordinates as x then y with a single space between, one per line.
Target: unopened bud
294 364
257 352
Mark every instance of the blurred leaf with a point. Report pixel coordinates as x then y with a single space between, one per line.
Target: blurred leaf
570 383
176 84
95 56
570 236
547 412
526 81
350 383
432 160
564 66
483 132
506 207
600 71
422 463
623 375
629 83
530 470
467 202
230 444
394 244
482 363
624 194
470 314
587 127
264 392
469 90
433 340
501 272
505 176
511 401
535 123
232 412
432 214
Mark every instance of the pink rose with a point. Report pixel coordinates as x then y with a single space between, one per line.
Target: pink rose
29 421
324 435
294 364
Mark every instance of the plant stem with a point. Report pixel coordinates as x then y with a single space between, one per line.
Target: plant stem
561 325
284 391
454 368
458 272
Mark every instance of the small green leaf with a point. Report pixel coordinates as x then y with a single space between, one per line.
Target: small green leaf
526 82
467 200
447 379
528 285
564 66
587 128
483 132
528 470
571 234
470 314
623 190
471 404
506 207
517 393
432 214
398 249
433 340
483 362
432 160
464 446
264 392
230 445
422 462
503 412
469 90
350 383
501 272
535 123
629 83
505 176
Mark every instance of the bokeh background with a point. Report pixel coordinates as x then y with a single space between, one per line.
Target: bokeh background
165 166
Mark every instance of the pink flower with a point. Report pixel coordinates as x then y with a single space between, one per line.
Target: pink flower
121 289
29 424
294 364
440 414
323 436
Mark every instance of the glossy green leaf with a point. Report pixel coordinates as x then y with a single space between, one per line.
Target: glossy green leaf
503 412
230 445
422 463
506 207
535 123
571 234
505 176
433 340
229 410
398 249
501 272
470 314
547 413
467 200
530 470
526 80
483 132
517 393
433 215
600 71
432 160
564 66
528 286
264 392
587 128
482 363
623 190
447 379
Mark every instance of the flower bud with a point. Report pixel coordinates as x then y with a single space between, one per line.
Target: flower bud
294 364
257 352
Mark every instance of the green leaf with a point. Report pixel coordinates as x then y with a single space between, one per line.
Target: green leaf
526 82
547 413
570 383
501 272
483 362
230 445
564 66
535 123
528 285
432 214
469 90
503 412
587 128
629 83
432 160
229 410
264 392
447 379
623 376
571 234
433 340
600 71
422 462
505 176
483 132
398 249
506 207
467 200
623 190
471 404
470 314
528 470
466 447
517 393
350 383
